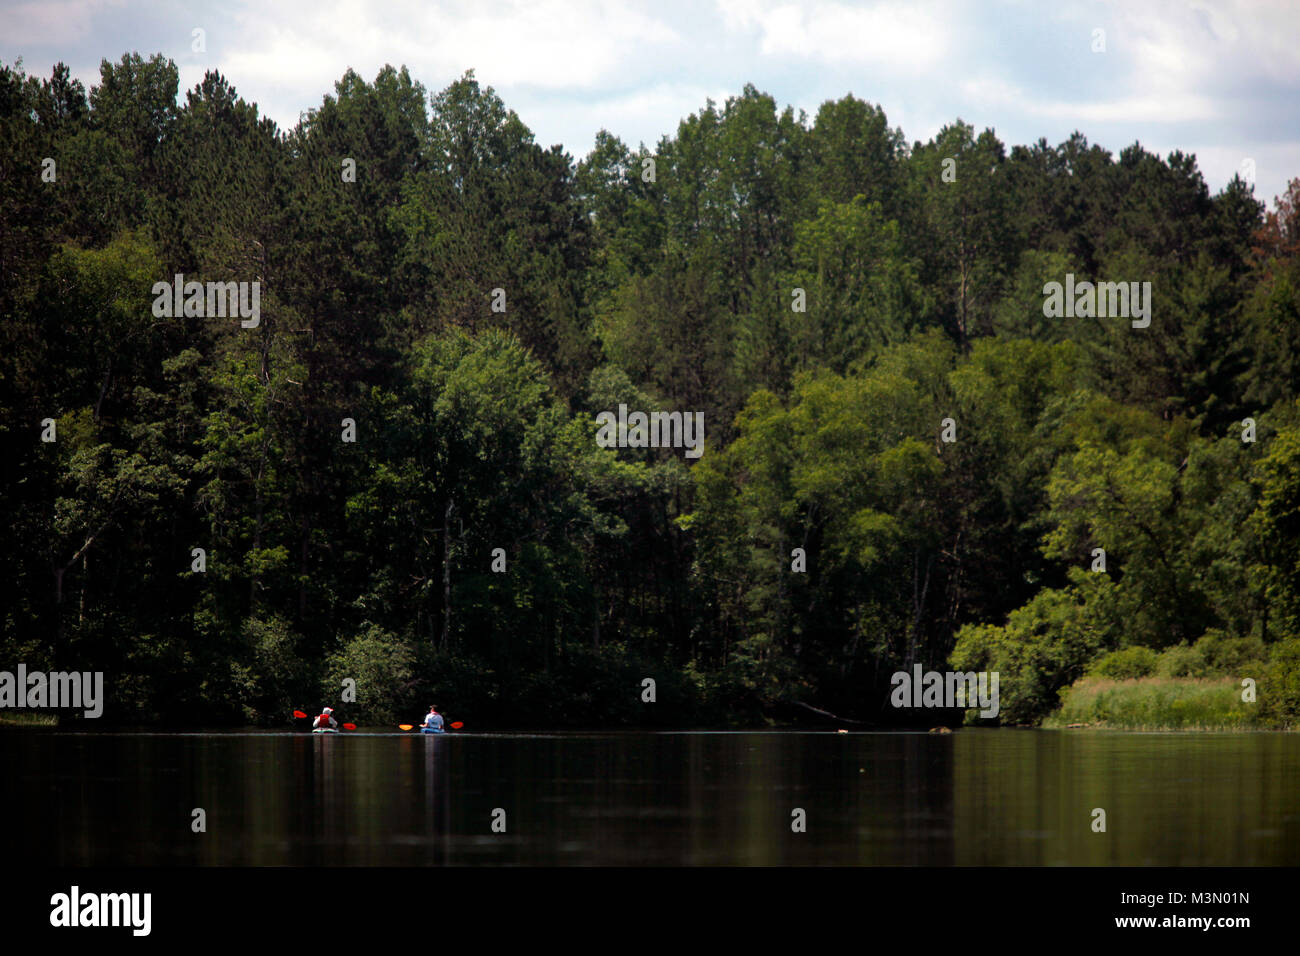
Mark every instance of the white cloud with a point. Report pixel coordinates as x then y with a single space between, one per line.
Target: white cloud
1181 46
913 37
552 44
994 94
289 54
1221 73
635 116
1274 164
42 22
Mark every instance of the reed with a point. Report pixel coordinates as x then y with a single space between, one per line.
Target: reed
1156 703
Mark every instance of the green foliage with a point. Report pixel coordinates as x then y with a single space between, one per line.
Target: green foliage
1279 691
606 688
273 674
961 225
827 537
862 292
1044 647
1276 521
1156 703
1125 664
1215 655
381 665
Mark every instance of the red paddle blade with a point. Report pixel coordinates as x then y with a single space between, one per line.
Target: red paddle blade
457 725
299 714
349 726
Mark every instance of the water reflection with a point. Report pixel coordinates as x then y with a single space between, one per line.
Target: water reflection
971 798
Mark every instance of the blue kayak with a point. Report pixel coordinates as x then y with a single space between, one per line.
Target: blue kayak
431 730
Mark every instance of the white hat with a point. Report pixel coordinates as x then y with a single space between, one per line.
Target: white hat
328 710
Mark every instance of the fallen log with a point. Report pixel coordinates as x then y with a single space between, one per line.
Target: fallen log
827 713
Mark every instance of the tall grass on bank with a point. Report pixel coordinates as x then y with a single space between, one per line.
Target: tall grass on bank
16 719
1156 703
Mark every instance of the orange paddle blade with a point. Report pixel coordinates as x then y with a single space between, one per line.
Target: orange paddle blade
457 725
349 726
299 714
406 726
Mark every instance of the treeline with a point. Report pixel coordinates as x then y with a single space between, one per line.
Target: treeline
825 293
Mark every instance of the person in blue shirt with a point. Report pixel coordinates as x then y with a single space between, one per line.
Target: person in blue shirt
432 721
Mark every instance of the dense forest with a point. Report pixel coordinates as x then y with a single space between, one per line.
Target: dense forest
393 475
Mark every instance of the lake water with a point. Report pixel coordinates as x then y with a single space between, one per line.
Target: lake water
992 797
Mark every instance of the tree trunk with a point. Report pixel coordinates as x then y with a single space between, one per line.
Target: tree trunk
446 574
81 602
302 570
103 389
919 591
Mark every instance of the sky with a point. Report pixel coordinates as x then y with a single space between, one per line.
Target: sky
1216 78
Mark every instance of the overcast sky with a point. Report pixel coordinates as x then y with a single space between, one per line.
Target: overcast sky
1218 79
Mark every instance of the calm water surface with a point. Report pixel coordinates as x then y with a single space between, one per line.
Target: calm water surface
999 797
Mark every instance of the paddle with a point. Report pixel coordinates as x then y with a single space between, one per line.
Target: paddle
349 726
456 726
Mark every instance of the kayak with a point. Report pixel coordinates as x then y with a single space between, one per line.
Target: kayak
430 730
324 730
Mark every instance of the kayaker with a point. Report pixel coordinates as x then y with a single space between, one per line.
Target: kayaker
432 721
325 720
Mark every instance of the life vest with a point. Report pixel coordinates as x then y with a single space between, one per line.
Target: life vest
324 720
